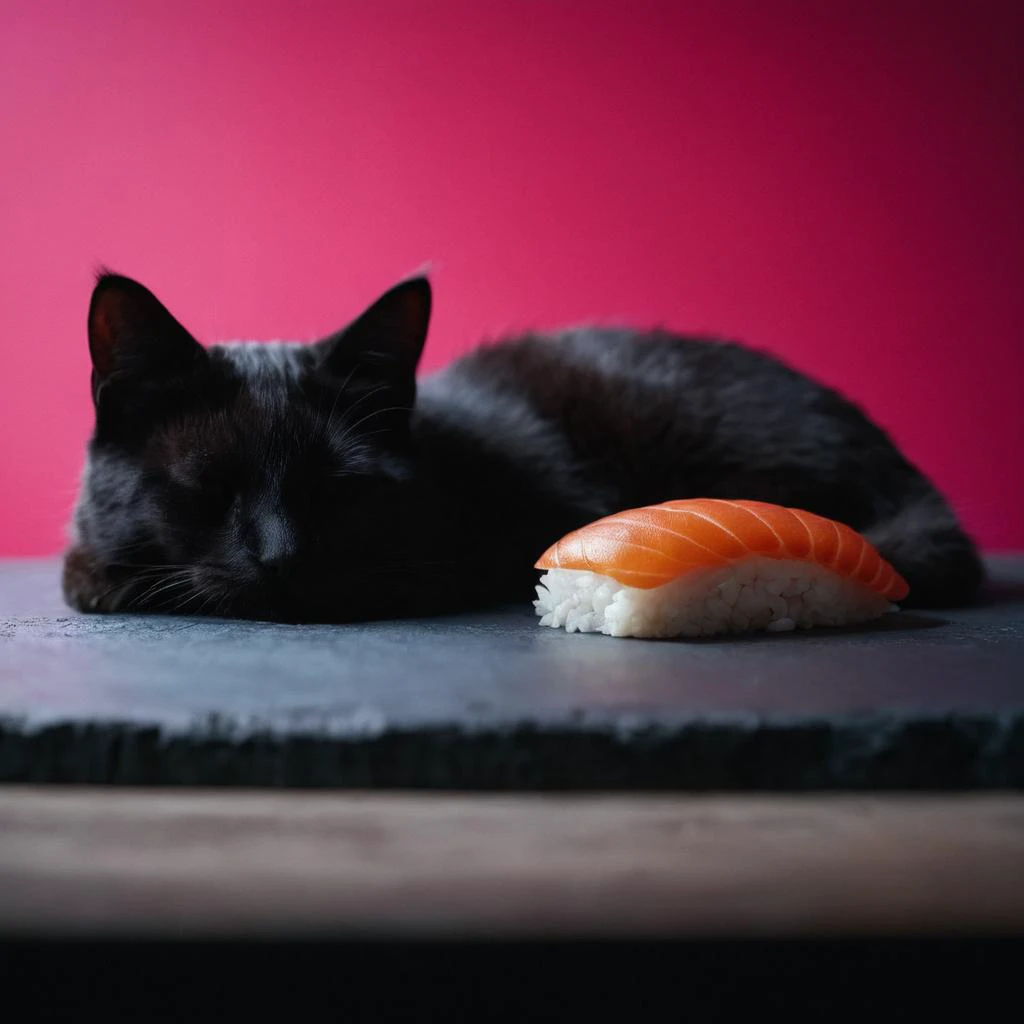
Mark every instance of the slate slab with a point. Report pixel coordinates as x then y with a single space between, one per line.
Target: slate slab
493 701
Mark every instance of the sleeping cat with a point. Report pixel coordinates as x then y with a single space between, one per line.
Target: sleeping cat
320 483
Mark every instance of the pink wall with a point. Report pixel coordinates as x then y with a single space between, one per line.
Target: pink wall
838 182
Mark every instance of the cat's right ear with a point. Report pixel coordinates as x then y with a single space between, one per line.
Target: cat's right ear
387 339
134 341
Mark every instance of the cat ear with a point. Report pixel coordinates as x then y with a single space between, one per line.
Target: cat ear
387 339
132 337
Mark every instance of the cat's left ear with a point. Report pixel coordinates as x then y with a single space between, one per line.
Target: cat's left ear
386 340
135 344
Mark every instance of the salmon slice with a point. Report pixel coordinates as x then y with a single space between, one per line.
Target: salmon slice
648 547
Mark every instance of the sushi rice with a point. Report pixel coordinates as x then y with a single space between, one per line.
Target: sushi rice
753 594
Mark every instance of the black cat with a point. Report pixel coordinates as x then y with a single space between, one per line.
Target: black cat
313 483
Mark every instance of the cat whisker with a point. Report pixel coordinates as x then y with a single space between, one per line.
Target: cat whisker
177 579
363 397
337 398
122 588
325 427
211 602
355 405
187 599
369 416
99 600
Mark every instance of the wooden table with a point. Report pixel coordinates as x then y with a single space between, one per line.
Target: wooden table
208 863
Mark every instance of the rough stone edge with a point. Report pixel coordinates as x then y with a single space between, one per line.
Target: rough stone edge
742 753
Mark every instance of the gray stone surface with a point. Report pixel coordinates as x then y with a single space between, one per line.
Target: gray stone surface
494 701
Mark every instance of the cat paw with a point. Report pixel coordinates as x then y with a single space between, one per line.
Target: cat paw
83 582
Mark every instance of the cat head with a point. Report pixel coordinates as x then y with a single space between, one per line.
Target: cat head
237 479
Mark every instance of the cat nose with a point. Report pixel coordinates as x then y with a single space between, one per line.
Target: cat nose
270 543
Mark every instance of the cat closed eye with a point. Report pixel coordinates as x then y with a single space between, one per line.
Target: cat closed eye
208 485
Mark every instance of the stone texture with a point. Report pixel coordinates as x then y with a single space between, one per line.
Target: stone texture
493 701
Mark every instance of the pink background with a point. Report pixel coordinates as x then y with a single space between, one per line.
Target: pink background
839 182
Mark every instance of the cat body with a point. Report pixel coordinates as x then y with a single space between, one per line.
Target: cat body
322 482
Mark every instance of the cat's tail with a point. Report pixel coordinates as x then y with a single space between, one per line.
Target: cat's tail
924 542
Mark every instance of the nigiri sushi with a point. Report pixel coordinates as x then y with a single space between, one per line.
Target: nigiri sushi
704 566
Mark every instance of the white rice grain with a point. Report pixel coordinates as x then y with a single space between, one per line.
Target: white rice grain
754 594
